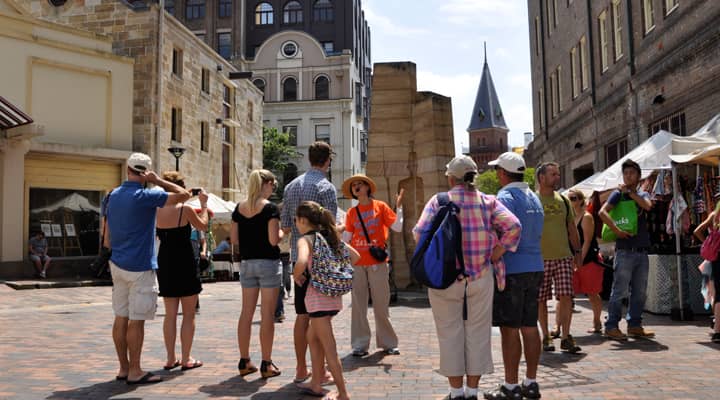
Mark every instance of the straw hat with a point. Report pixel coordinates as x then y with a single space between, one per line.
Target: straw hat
357 177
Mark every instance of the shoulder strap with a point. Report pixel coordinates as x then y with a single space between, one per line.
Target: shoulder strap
106 202
359 214
567 206
182 208
443 198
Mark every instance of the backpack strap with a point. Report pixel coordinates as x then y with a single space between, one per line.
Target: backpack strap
182 208
443 198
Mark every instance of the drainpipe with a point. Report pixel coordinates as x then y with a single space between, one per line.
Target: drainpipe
631 38
159 76
544 72
591 54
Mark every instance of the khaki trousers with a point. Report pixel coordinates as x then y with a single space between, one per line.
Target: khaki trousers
375 279
464 345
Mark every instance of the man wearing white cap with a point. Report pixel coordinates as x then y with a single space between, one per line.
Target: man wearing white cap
515 309
130 223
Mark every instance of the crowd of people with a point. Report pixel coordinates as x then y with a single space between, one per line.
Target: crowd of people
521 248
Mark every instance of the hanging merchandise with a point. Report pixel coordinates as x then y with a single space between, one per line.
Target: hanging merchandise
699 197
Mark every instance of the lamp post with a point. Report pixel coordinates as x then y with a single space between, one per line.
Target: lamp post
177 152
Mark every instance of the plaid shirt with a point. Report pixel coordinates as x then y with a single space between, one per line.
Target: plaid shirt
311 185
483 218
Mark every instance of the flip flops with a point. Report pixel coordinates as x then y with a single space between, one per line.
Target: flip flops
194 364
171 367
307 391
301 380
145 380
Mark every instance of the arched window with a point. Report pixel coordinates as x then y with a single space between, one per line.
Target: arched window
264 14
322 88
292 13
289 89
323 11
260 84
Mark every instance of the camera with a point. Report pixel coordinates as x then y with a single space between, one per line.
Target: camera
195 191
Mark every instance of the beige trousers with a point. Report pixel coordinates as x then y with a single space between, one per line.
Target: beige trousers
464 345
372 279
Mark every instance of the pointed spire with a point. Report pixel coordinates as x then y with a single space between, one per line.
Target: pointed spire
487 112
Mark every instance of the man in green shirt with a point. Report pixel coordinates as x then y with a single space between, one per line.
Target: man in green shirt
560 244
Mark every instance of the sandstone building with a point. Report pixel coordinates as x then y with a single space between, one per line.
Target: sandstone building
607 74
410 142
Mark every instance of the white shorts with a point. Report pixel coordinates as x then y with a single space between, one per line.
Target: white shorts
134 294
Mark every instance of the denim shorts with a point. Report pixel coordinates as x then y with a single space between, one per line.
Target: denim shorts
261 273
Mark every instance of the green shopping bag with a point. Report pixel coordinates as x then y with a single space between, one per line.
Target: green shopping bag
625 216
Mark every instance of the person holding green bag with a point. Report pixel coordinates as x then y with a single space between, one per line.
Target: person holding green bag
631 259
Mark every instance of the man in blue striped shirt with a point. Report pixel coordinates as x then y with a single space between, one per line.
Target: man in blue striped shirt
312 185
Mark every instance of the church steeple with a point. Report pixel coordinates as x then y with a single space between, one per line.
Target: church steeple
487 112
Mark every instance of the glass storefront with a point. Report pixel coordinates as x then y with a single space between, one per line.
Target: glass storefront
69 219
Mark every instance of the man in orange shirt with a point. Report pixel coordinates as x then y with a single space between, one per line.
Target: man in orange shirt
366 229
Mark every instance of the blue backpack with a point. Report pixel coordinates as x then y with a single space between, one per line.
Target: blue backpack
435 262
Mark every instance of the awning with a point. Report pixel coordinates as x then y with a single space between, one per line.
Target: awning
11 116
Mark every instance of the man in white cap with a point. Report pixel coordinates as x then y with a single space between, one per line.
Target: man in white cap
130 224
515 309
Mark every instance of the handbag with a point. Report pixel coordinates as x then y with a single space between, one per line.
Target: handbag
711 245
625 217
377 252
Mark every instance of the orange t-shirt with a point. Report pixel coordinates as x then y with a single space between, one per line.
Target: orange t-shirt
378 217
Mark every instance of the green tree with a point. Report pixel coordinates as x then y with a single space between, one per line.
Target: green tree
277 151
487 182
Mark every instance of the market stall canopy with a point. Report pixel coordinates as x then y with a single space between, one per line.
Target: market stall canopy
221 209
74 202
708 153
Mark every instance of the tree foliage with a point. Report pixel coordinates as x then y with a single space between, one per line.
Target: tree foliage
277 151
488 183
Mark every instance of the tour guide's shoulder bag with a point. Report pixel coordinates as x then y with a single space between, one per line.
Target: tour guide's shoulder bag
331 273
377 252
435 262
625 216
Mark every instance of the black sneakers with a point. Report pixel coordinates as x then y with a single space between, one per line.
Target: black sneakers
502 392
568 345
531 391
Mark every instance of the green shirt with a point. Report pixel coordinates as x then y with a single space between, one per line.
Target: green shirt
555 242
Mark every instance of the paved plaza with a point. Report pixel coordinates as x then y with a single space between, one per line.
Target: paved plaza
56 344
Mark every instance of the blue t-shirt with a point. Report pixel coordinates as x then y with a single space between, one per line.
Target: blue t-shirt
521 201
131 213
642 239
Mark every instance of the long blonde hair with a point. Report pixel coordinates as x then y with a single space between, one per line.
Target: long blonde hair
258 177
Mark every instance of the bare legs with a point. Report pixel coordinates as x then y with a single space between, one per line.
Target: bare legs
187 328
322 346
564 315
128 337
268 300
302 322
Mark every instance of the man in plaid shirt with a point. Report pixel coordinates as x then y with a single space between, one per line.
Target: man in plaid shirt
312 185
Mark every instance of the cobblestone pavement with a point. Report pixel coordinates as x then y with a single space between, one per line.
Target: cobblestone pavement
56 344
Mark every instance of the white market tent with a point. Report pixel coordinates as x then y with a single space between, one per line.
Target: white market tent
706 155
222 210
74 202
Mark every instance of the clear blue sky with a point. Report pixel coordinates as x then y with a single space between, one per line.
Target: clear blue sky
445 40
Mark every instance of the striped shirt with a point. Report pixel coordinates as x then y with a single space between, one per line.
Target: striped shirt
311 185
485 223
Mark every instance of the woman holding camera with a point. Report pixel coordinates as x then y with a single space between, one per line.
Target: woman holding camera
177 272
366 229
256 233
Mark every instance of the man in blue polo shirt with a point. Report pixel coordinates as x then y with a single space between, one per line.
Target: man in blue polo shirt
130 222
515 310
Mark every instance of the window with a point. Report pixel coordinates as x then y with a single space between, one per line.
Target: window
602 28
250 111
290 89
358 99
674 123
617 29
176 125
177 61
555 17
322 132
204 137
541 108
170 6
292 13
670 6
323 11
537 36
263 14
615 151
227 102
549 12
291 130
558 77
584 73
648 16
573 72
225 45
289 49
205 83
200 35
225 8
322 88
260 84
329 47
225 135
227 151
553 95
194 9
76 228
